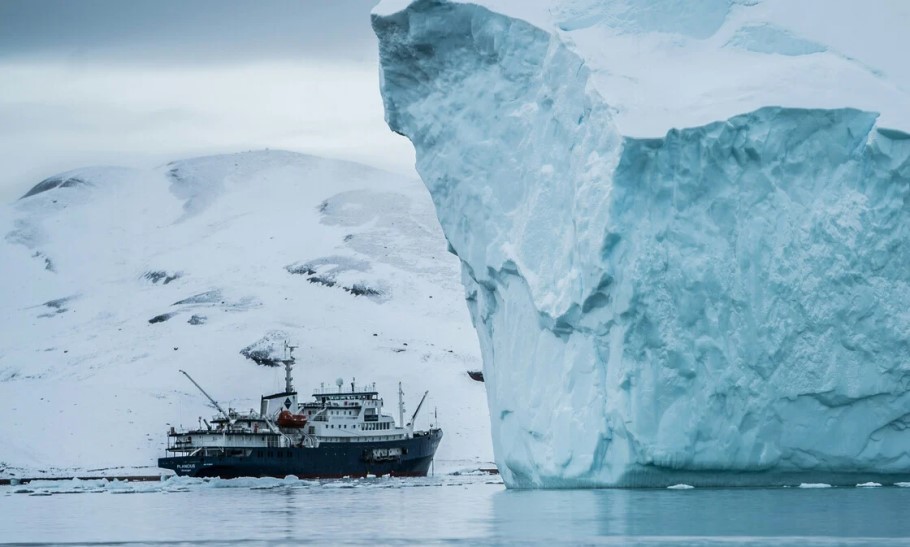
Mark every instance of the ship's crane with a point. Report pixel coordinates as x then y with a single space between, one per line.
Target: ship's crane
420 404
209 397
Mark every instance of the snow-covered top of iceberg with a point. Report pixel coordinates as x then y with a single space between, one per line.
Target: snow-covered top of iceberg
666 64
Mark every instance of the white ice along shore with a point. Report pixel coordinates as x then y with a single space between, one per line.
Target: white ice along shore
723 305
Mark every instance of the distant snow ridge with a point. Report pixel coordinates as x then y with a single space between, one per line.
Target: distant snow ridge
60 181
79 178
160 275
770 39
269 350
341 272
724 305
55 306
697 19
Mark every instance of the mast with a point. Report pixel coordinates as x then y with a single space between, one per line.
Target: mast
207 396
400 406
288 365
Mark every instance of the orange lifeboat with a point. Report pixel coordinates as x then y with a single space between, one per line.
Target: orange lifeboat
286 419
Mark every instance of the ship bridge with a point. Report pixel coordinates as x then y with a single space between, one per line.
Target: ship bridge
356 391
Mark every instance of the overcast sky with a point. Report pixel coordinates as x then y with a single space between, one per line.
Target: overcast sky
142 82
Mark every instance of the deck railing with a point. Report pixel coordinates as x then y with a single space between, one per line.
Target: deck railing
345 390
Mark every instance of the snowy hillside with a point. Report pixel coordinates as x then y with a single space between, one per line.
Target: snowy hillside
721 303
113 279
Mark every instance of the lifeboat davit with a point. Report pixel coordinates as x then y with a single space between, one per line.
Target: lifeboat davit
286 419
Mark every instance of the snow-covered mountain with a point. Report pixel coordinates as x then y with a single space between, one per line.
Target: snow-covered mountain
115 278
682 225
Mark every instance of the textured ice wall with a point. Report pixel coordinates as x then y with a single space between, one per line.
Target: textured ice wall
726 305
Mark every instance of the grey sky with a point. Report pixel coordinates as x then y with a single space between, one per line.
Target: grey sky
141 82
186 30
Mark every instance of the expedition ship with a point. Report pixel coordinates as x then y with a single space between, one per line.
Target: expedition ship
339 433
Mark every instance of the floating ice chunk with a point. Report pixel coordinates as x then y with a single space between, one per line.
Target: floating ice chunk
814 485
902 484
680 487
868 485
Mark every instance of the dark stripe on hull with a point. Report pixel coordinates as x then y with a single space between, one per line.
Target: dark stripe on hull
329 460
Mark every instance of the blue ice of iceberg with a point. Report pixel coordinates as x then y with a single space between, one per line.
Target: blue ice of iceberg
726 305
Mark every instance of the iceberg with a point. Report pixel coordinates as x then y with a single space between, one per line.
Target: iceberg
724 305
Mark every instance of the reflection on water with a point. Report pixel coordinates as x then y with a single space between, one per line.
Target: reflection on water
825 516
442 509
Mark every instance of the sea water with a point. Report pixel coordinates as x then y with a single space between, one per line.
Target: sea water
473 509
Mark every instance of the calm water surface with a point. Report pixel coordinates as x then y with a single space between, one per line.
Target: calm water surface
443 509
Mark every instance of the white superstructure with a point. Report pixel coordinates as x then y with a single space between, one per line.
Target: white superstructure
334 415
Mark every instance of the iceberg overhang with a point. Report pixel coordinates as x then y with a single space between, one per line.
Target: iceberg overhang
724 305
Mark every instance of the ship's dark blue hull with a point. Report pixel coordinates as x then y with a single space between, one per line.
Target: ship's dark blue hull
406 457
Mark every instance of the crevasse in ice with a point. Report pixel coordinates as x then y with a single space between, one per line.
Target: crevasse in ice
728 304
